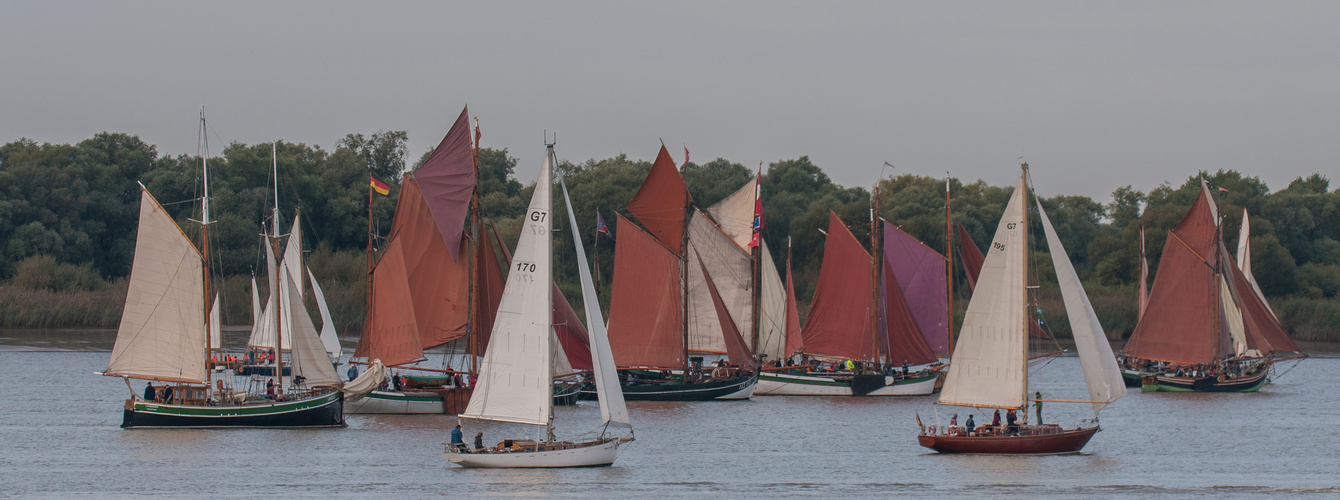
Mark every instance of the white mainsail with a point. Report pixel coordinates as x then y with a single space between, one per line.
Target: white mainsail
771 309
734 214
215 326
1245 261
308 355
293 255
731 271
329 338
613 411
515 377
162 332
990 365
1096 360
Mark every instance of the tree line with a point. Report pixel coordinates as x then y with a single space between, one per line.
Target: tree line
68 216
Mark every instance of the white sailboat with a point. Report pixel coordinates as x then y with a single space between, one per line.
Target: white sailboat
515 377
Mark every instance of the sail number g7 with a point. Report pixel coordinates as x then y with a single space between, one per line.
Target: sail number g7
538 216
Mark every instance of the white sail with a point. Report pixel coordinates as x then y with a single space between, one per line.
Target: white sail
162 332
613 411
329 338
1237 331
990 365
255 303
368 381
1096 360
293 255
263 332
215 326
308 355
558 357
1245 261
771 309
515 377
735 215
731 270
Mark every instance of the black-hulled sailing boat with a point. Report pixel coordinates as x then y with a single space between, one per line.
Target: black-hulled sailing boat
164 337
1207 327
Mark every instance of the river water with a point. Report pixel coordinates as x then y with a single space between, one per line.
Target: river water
59 426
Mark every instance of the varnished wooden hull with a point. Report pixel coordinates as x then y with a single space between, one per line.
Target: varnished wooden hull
1167 383
1065 441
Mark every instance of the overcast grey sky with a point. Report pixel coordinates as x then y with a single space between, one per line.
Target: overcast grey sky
1094 95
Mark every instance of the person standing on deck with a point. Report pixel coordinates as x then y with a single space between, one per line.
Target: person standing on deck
149 392
970 426
353 372
1037 405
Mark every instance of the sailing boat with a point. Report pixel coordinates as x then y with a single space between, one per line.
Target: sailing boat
860 314
990 368
164 337
433 285
660 310
1207 327
515 375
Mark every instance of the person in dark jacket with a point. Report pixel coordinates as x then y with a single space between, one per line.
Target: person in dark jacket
149 392
479 441
167 394
970 426
458 438
1037 405
353 372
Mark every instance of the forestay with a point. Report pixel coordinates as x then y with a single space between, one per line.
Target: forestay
613 411
1096 360
515 376
991 358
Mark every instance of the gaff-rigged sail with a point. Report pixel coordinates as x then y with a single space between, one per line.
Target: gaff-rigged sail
162 332
661 202
645 325
447 179
839 323
1101 374
732 271
991 359
605 373
736 349
920 273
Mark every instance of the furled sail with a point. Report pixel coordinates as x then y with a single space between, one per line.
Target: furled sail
920 272
771 308
310 360
840 318
447 179
645 326
162 332
515 376
613 411
990 365
733 272
329 338
368 381
1101 374
661 202
1183 323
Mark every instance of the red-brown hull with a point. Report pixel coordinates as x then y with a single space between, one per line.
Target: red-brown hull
1066 441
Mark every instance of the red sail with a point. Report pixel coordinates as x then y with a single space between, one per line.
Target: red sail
906 343
646 326
661 201
1263 330
840 318
567 326
391 333
920 273
489 285
1182 323
448 178
794 342
439 289
735 348
971 256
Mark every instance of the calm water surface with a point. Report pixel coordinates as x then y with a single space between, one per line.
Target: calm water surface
59 426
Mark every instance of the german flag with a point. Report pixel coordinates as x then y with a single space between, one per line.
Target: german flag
380 187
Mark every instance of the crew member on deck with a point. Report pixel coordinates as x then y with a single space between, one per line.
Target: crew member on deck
995 420
167 394
149 392
970 426
457 438
479 442
1037 405
353 372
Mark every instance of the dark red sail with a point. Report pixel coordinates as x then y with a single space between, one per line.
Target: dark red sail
971 256
646 310
905 341
660 204
839 323
447 178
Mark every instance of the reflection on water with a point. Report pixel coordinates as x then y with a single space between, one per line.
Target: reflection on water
62 440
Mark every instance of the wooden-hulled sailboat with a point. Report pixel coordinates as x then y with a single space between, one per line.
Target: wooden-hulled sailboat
990 368
1207 328
658 291
432 285
164 337
860 315
515 375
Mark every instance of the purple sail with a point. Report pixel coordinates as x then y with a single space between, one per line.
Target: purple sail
920 271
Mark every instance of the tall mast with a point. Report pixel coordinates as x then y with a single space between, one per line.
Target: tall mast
949 268
204 241
757 293
878 261
473 318
367 323
684 282
1024 257
278 307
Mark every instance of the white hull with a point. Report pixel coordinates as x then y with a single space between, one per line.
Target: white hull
396 403
781 384
585 456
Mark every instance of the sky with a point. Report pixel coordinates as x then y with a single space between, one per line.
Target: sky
1093 95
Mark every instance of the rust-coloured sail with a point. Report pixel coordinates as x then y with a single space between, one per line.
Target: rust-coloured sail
567 326
840 320
970 255
447 178
905 341
439 288
735 347
646 323
1181 323
794 341
489 285
1263 330
391 333
661 201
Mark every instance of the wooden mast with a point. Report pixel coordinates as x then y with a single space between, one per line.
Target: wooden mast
472 318
684 280
876 252
204 245
367 323
754 253
949 268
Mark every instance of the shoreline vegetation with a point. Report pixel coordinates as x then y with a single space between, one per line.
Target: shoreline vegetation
68 216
